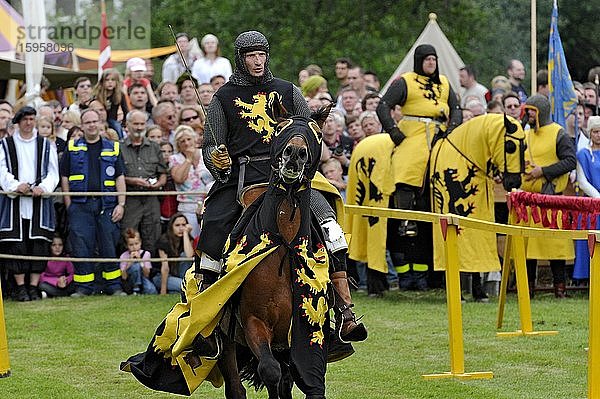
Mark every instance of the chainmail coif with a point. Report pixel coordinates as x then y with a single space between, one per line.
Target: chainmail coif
542 104
245 43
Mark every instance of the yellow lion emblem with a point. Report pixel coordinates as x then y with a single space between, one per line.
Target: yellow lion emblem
256 114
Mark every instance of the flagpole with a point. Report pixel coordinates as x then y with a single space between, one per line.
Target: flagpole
533 48
104 60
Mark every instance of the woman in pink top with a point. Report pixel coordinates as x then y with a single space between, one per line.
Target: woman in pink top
57 279
190 174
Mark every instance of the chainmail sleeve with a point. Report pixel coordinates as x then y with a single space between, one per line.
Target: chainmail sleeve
455 111
214 134
319 206
567 160
300 104
395 94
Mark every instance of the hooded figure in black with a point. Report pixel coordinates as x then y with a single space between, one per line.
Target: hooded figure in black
241 120
430 108
421 52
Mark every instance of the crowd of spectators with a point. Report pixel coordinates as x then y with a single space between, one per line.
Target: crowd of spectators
149 136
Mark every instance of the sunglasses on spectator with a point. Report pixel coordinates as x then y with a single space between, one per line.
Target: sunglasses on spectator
84 86
189 118
513 106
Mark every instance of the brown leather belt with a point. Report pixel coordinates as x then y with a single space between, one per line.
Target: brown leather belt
243 161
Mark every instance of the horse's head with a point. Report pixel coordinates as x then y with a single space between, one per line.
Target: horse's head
293 159
514 153
296 147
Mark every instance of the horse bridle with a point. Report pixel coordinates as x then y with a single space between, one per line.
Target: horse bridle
282 163
509 148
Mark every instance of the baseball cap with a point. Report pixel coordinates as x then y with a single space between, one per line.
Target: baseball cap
136 64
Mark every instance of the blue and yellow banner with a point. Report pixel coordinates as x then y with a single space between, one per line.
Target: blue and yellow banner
563 98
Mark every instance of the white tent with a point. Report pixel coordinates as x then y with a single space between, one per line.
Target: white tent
449 62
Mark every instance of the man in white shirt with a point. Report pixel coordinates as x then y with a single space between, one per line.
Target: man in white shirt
470 86
28 167
173 67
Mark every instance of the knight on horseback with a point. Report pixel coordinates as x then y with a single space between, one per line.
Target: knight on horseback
237 154
430 109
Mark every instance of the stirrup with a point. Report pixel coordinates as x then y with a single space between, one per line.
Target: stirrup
203 285
408 228
358 333
202 346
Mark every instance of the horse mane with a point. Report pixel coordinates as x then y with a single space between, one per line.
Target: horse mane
320 115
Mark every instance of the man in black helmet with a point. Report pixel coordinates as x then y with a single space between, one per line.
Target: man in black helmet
240 124
429 108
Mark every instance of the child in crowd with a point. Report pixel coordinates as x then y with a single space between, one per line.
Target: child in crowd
45 128
176 242
109 92
332 170
168 203
155 134
74 133
57 279
136 67
135 268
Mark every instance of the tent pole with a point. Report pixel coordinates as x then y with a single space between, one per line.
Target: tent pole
533 48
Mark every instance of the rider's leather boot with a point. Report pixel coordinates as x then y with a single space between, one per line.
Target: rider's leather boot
207 270
207 278
345 320
208 347
404 198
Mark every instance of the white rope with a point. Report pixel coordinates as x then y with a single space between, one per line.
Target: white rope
105 194
98 260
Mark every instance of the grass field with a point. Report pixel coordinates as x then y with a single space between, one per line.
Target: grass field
71 348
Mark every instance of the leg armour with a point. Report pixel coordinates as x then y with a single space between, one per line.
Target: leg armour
208 263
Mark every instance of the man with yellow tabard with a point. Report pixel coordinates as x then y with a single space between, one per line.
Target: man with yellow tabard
430 109
550 156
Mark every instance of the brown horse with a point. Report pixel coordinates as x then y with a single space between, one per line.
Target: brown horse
283 310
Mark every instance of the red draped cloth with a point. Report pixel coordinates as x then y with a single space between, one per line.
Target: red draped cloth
545 210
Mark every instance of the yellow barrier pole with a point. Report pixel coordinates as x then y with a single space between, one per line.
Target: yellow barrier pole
455 330
506 269
594 304
4 362
518 250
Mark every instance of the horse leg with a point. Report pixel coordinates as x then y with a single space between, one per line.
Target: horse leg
259 337
269 370
287 382
229 369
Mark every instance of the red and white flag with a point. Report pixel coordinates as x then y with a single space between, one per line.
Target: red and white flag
104 61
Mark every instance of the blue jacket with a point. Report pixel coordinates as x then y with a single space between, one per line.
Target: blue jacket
79 166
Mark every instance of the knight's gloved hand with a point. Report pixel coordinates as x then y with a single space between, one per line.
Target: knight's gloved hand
220 158
397 136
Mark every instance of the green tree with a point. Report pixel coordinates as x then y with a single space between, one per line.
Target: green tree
377 34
